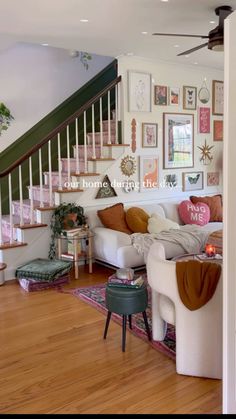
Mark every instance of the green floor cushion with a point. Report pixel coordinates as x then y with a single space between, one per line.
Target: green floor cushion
44 269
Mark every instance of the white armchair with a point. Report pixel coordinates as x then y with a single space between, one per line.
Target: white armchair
198 332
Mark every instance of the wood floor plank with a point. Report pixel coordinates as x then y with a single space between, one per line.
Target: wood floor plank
54 360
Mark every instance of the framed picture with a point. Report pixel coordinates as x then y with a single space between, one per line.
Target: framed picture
192 181
160 95
149 173
139 91
174 96
218 130
149 134
217 97
204 119
213 179
189 97
178 139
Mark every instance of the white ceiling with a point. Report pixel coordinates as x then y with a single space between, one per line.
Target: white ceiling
114 26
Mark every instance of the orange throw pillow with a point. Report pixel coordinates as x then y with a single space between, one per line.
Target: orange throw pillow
214 203
137 220
114 217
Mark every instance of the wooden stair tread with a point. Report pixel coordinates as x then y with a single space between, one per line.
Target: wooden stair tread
3 266
27 226
102 159
8 245
116 145
69 190
85 174
36 205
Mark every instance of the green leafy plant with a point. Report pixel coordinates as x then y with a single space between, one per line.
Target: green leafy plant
64 217
84 58
5 117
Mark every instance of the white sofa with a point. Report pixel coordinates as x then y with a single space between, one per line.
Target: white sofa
115 248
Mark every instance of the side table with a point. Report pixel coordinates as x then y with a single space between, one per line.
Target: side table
83 241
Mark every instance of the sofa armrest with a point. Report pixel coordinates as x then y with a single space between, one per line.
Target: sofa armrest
107 242
107 234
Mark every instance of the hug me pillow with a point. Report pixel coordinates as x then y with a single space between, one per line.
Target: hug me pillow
194 213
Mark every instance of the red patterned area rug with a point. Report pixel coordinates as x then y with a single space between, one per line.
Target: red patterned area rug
95 296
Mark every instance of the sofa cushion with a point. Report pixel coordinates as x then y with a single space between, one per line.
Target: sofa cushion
194 213
137 220
214 203
156 224
114 217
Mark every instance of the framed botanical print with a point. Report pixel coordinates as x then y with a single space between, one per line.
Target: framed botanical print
139 91
149 173
178 139
192 181
174 96
217 97
160 95
149 134
218 130
189 98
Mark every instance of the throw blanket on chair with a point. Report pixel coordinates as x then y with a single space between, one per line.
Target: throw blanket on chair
197 282
191 238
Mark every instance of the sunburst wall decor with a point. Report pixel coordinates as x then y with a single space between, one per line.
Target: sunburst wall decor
206 154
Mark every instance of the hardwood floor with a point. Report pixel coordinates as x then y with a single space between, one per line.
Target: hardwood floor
54 360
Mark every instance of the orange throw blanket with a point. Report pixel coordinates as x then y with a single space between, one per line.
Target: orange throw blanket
197 282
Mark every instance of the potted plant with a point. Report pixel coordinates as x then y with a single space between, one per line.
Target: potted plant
66 216
5 117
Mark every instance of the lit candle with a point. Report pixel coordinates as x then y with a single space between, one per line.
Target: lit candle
210 250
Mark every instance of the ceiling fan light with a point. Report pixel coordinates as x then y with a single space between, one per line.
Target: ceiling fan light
216 45
219 47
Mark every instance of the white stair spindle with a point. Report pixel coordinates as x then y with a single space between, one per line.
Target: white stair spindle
93 131
116 114
50 173
59 162
21 197
31 192
85 145
101 129
40 179
77 146
1 240
10 208
109 115
119 102
68 154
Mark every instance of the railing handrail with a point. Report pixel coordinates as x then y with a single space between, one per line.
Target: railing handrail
59 128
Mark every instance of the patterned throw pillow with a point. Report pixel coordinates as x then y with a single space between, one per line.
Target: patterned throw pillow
194 213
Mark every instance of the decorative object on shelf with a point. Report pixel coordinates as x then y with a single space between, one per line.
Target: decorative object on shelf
192 181
213 178
171 181
217 97
189 97
204 93
204 120
160 95
139 91
133 135
178 140
129 185
206 156
84 57
149 178
128 166
218 130
174 96
149 135
5 118
66 216
106 190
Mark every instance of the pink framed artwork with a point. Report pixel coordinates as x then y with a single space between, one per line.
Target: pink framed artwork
218 130
204 120
213 178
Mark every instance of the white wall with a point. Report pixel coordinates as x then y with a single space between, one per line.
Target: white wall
229 232
172 76
36 79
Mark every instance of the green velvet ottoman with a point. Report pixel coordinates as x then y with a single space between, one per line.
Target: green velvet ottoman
126 301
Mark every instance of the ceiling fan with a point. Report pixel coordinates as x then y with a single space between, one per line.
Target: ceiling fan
215 37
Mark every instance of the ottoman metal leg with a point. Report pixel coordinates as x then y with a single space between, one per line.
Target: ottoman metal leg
107 324
146 325
124 333
130 321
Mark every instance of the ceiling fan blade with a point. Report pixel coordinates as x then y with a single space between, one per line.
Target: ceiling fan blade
192 50
181 34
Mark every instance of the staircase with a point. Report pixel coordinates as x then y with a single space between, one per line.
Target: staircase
25 230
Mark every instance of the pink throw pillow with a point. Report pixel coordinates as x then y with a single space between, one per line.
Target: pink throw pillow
194 213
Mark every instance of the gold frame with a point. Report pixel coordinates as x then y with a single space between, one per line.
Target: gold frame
184 98
214 83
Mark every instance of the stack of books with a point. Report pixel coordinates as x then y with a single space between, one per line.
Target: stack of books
136 282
